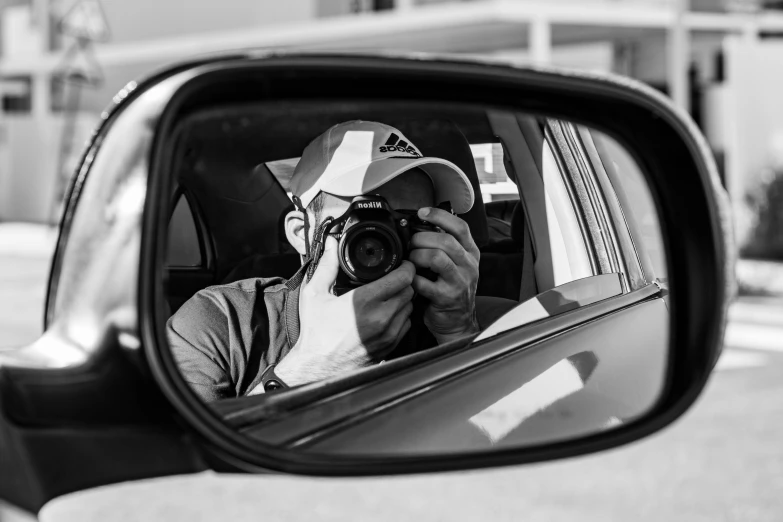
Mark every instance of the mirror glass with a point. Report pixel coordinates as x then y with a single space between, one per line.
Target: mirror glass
399 278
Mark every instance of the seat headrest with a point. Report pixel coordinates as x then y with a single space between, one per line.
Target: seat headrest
443 139
241 200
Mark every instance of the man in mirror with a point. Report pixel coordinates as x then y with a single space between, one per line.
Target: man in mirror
259 335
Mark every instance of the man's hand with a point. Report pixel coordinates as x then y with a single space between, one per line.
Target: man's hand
354 330
454 256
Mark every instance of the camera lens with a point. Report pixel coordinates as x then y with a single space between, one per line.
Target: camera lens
368 251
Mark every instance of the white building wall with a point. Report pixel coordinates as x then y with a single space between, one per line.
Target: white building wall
594 56
649 58
28 176
138 20
753 115
19 35
155 22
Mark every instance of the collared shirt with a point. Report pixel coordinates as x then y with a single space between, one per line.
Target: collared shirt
225 336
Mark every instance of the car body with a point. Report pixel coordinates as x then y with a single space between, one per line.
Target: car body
600 309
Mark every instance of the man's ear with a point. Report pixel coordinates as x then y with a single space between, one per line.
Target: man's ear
295 231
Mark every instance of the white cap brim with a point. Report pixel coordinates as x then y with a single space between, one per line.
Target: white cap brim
450 183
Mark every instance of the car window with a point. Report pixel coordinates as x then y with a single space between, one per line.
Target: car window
183 249
493 179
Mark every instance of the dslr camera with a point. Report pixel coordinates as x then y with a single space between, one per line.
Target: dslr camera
374 239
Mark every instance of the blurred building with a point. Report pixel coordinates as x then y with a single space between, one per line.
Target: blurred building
716 59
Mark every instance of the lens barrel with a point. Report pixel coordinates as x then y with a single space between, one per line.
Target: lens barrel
369 250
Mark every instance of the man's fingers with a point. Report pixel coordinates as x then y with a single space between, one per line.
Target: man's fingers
328 265
406 326
400 324
445 242
426 288
452 224
436 260
401 298
389 334
390 284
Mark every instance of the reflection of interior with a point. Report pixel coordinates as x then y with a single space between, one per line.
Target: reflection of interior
555 247
553 384
240 203
538 261
555 301
228 204
613 373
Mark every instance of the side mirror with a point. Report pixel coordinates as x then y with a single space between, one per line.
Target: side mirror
599 272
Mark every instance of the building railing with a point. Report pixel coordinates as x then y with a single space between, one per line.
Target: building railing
741 6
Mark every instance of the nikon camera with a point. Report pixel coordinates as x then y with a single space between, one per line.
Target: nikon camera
374 240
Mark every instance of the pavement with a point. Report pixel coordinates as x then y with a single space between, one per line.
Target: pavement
722 461
760 277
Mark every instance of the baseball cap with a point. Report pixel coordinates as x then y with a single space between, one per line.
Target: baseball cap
355 157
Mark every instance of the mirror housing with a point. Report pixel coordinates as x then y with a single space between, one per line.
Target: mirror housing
682 178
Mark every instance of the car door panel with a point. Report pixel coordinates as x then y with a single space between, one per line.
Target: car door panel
366 398
101 419
459 416
558 300
76 407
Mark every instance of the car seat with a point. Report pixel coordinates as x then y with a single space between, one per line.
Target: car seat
499 215
237 202
504 258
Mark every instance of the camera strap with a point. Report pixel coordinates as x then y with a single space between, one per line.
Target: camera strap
314 251
319 243
298 205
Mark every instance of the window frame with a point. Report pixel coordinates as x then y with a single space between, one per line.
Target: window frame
570 207
598 226
615 205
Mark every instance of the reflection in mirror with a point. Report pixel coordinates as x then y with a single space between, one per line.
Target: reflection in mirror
397 278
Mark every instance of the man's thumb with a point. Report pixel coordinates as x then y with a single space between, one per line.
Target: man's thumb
326 271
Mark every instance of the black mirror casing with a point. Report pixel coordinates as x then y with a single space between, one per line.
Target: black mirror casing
146 410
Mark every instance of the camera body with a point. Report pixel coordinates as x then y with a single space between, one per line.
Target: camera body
374 239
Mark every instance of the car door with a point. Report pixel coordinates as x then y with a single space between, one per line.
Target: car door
583 355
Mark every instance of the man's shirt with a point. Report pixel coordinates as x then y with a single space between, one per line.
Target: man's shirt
225 336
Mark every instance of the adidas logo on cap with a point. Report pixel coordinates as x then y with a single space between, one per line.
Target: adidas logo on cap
394 144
